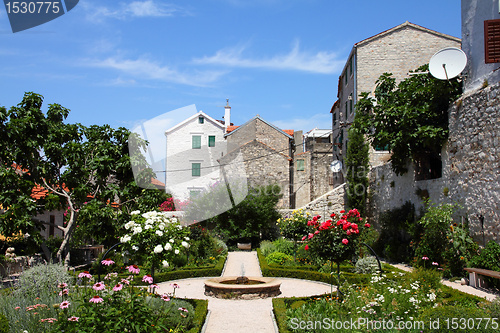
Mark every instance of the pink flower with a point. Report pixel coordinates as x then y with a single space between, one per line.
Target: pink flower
183 309
17 307
316 232
73 318
165 297
125 281
62 285
64 305
174 285
435 263
133 269
147 278
98 286
96 299
345 241
85 274
425 258
107 262
64 292
118 287
304 238
348 232
310 236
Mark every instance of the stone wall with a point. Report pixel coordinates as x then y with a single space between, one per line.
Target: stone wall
331 202
474 158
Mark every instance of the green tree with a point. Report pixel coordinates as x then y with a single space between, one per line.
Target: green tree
74 163
357 168
411 118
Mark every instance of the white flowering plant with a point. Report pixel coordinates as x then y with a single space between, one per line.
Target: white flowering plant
155 235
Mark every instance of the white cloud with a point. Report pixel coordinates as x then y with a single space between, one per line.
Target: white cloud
147 8
319 120
147 69
321 62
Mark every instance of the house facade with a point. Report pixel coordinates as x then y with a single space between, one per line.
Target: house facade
267 156
193 148
399 50
481 42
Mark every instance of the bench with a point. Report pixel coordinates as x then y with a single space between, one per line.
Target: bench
475 278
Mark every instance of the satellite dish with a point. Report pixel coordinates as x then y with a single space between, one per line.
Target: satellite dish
336 166
447 63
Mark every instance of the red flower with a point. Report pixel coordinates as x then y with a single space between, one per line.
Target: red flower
333 215
345 241
304 238
316 232
342 211
367 225
307 247
310 236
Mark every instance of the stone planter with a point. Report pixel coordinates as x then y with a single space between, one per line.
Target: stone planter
245 246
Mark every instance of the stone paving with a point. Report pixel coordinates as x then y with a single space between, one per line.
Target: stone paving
242 316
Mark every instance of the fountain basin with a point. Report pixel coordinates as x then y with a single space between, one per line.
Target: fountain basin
256 287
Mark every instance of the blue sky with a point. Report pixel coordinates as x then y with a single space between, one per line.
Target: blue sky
121 62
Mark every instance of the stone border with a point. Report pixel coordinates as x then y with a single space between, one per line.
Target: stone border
269 288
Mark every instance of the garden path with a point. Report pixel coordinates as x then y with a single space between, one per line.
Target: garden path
242 316
457 285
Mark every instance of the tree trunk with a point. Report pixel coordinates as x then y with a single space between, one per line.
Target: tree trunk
67 233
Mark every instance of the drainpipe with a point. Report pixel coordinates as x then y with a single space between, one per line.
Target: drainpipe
291 148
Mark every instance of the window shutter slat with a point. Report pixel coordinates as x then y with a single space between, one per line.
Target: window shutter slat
492 41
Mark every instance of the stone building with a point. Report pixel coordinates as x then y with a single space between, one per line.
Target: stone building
267 154
398 50
481 42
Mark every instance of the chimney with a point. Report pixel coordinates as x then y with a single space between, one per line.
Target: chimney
227 115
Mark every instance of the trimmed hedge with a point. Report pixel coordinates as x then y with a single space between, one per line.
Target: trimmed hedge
200 315
306 274
215 270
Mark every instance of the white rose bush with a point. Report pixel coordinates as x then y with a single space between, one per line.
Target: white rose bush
155 235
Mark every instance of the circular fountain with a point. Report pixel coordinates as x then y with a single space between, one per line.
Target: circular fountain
242 287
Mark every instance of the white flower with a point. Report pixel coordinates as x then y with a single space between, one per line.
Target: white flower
186 238
159 233
171 240
185 244
135 248
148 226
129 224
158 249
165 263
431 296
149 221
176 251
125 238
161 226
135 212
168 247
137 230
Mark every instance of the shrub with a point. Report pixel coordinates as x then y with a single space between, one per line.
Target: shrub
456 319
279 258
488 258
366 265
4 324
284 246
398 229
267 247
41 278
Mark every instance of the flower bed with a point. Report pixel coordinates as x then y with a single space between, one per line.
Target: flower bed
416 298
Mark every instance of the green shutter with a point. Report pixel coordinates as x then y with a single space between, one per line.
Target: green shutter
196 142
196 169
211 141
300 165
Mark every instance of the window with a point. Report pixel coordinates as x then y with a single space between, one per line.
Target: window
334 119
196 169
350 104
196 141
491 41
201 120
211 140
341 139
300 165
350 66
381 148
346 110
345 77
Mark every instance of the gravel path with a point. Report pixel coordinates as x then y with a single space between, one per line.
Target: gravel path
242 316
